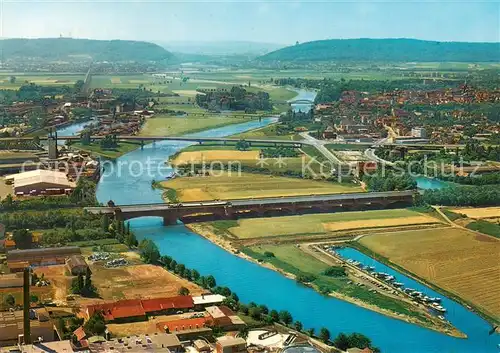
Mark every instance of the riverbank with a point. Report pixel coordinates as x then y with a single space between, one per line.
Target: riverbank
228 246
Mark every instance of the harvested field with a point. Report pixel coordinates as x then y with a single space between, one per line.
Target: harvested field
322 223
214 155
245 185
460 262
115 80
187 92
379 223
138 281
479 213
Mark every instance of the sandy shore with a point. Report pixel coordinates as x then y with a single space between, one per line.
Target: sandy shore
228 246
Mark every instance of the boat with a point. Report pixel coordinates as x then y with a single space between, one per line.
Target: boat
441 317
438 307
398 284
435 299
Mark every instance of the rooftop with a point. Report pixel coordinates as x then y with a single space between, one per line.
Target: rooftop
40 176
229 341
208 299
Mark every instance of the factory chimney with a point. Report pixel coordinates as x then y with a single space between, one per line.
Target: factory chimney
26 305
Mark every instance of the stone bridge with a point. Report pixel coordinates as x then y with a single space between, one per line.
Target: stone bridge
203 211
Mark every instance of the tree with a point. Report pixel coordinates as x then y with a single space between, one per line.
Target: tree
310 331
105 223
195 275
341 341
12 79
255 313
324 334
242 145
243 332
274 315
211 283
183 291
131 240
285 317
298 326
23 238
95 325
149 251
9 300
264 309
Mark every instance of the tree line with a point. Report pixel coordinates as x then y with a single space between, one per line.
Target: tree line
151 254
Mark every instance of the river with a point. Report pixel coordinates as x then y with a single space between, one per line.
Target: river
131 184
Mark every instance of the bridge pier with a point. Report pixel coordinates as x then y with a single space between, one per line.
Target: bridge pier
169 220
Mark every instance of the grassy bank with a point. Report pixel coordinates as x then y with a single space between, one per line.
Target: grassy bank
293 260
123 147
163 125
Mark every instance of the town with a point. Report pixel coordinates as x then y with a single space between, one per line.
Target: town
330 196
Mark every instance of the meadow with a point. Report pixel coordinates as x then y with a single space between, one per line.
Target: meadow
312 224
228 186
463 263
123 147
164 125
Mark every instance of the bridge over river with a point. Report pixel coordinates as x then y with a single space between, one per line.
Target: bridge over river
261 207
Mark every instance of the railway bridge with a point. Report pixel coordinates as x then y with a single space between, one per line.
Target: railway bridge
203 211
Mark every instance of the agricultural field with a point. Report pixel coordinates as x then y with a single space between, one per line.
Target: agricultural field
479 213
461 262
138 281
312 224
245 185
163 125
207 156
49 79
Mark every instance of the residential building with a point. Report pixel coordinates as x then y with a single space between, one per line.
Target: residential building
229 344
77 265
419 132
12 280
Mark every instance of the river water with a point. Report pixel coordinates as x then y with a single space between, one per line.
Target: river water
131 184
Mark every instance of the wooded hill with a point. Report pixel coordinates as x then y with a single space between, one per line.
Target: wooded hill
66 49
387 50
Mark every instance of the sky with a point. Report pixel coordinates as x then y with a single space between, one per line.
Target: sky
279 21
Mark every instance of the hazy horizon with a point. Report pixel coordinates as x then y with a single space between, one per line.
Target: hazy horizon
272 22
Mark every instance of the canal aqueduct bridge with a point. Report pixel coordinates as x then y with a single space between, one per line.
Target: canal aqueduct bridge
232 209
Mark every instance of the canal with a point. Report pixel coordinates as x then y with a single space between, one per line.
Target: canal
128 181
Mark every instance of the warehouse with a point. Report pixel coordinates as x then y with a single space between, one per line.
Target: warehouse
40 181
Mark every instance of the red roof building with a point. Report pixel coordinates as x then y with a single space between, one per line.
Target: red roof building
136 309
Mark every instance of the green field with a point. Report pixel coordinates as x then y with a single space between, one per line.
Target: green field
311 224
112 153
163 125
268 132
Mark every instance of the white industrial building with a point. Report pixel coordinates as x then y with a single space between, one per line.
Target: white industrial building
40 181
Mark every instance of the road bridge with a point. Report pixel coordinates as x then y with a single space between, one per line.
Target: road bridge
263 207
301 101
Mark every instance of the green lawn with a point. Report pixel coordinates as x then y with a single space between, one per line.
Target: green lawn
268 132
163 125
112 153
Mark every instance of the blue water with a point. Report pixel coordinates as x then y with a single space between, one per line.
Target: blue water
71 130
131 184
303 94
430 183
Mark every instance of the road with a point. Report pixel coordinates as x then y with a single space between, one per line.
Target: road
320 146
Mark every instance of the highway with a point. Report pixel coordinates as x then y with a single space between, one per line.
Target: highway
320 146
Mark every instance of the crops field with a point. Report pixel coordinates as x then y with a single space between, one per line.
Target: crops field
479 213
460 262
323 223
215 155
236 185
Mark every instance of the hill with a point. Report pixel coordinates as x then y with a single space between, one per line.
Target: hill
71 49
396 50
221 48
